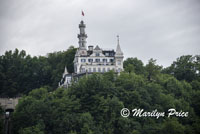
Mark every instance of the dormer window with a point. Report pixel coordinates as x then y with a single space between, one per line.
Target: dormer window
97 54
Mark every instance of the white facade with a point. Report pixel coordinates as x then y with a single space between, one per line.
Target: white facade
97 59
94 59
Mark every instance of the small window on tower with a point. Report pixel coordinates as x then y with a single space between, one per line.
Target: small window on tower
119 62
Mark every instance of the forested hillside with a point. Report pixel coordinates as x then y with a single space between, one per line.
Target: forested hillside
93 104
20 73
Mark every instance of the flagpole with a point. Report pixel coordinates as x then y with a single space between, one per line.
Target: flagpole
82 14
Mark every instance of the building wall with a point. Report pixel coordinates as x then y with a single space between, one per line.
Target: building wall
8 103
103 62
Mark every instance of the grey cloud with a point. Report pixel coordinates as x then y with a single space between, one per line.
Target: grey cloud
159 29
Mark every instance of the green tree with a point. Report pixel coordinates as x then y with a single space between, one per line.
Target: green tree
20 73
37 129
1 120
152 69
185 68
134 65
172 126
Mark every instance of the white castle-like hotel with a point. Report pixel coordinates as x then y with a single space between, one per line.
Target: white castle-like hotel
92 60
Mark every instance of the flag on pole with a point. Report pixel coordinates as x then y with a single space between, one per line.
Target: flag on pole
83 13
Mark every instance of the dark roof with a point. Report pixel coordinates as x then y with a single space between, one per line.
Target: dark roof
110 53
89 52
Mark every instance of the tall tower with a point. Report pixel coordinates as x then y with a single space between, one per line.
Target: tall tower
119 57
82 50
82 36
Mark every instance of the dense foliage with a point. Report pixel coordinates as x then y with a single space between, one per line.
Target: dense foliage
93 104
1 120
20 73
185 68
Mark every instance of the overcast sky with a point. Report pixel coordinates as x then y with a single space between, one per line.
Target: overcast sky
159 29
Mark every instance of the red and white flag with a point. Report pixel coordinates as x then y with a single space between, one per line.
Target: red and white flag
83 13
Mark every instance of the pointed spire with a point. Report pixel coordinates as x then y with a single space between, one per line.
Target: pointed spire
65 72
117 39
118 50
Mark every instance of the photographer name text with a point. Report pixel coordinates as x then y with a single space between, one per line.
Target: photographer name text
125 112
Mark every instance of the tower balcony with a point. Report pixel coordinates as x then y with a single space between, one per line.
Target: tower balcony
82 35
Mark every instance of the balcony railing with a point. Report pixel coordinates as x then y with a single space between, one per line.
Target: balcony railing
100 63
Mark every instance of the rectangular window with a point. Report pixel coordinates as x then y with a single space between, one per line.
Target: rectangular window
119 70
90 60
83 70
107 54
108 69
83 60
94 69
111 60
97 60
99 69
104 70
104 60
89 70
68 80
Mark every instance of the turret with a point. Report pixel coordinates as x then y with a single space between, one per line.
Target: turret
82 36
66 79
